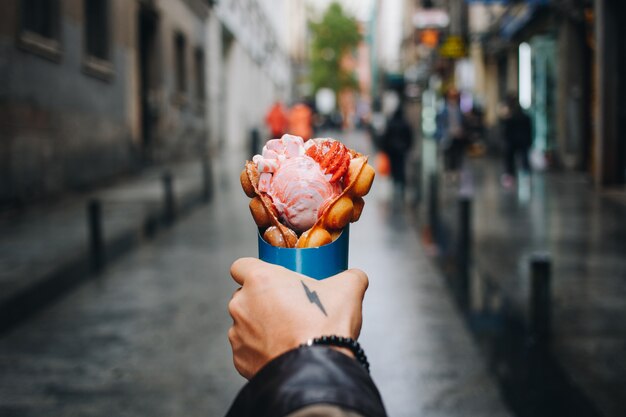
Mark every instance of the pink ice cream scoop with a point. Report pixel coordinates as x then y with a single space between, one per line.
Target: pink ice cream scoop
299 190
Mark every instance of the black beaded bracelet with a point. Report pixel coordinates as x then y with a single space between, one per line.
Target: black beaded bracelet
343 342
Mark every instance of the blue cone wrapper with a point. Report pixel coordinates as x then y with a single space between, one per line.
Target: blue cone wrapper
318 263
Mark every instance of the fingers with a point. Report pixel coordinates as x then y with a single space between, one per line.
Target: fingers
238 349
242 268
354 281
245 269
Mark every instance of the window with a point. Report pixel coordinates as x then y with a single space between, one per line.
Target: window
200 83
97 39
41 17
40 27
181 68
97 29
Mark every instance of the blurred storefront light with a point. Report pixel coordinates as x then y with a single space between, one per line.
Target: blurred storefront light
325 100
431 18
525 76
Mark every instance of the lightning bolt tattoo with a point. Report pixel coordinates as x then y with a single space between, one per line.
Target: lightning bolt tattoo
313 298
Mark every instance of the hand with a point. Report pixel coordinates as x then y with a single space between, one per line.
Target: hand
276 310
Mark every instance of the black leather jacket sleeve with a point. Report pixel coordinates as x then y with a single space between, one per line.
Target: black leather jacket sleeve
308 376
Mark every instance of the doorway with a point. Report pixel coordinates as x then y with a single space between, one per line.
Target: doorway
543 92
621 93
148 20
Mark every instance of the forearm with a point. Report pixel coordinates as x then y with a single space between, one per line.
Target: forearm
324 410
305 377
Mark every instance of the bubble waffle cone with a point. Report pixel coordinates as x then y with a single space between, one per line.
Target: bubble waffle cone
263 211
349 168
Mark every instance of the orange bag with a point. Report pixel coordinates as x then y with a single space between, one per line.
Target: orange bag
383 164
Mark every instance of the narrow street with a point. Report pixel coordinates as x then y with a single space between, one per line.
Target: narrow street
148 336
497 275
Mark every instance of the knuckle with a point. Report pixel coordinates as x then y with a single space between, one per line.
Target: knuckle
240 367
360 278
233 307
232 336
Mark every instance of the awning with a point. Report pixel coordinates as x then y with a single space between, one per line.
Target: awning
513 23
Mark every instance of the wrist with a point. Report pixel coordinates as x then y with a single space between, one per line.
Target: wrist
343 350
342 344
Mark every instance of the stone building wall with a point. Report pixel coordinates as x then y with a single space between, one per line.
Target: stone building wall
69 120
63 123
181 125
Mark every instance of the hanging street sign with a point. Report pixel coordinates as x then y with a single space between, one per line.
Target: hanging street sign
453 47
431 18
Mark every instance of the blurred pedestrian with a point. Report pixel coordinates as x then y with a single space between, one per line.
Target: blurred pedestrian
377 124
517 136
396 143
475 131
294 339
276 120
301 121
451 130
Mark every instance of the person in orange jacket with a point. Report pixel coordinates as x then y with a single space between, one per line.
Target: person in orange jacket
300 121
276 120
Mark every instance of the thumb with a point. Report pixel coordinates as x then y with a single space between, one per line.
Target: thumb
352 281
244 268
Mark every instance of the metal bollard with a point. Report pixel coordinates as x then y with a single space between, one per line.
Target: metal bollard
255 141
169 212
433 205
464 250
417 182
96 238
207 179
540 298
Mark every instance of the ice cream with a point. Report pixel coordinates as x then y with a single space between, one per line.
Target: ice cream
295 182
299 190
303 195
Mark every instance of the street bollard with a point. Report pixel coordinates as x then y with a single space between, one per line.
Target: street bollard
207 179
540 298
169 212
255 141
96 238
433 205
415 181
464 251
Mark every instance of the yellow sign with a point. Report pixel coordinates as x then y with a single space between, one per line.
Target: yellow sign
453 47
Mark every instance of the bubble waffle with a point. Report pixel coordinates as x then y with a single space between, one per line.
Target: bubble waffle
350 178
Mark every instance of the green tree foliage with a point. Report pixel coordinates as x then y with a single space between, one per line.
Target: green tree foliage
334 36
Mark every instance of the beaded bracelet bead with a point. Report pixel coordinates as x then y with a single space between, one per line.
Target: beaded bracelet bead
343 342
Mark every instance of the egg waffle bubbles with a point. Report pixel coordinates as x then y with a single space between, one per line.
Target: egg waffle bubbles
303 196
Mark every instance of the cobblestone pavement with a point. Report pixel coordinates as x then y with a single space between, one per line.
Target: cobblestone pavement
148 336
46 246
584 233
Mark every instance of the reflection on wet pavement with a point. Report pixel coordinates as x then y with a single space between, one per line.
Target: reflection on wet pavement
148 336
584 234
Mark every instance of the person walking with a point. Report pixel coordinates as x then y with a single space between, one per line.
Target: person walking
396 143
517 135
276 120
451 130
301 121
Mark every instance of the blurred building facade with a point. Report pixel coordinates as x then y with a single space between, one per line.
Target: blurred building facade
298 38
254 66
561 57
93 89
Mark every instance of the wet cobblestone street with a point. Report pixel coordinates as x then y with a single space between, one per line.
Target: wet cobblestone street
558 216
148 336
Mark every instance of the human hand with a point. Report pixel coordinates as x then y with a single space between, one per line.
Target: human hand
276 310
